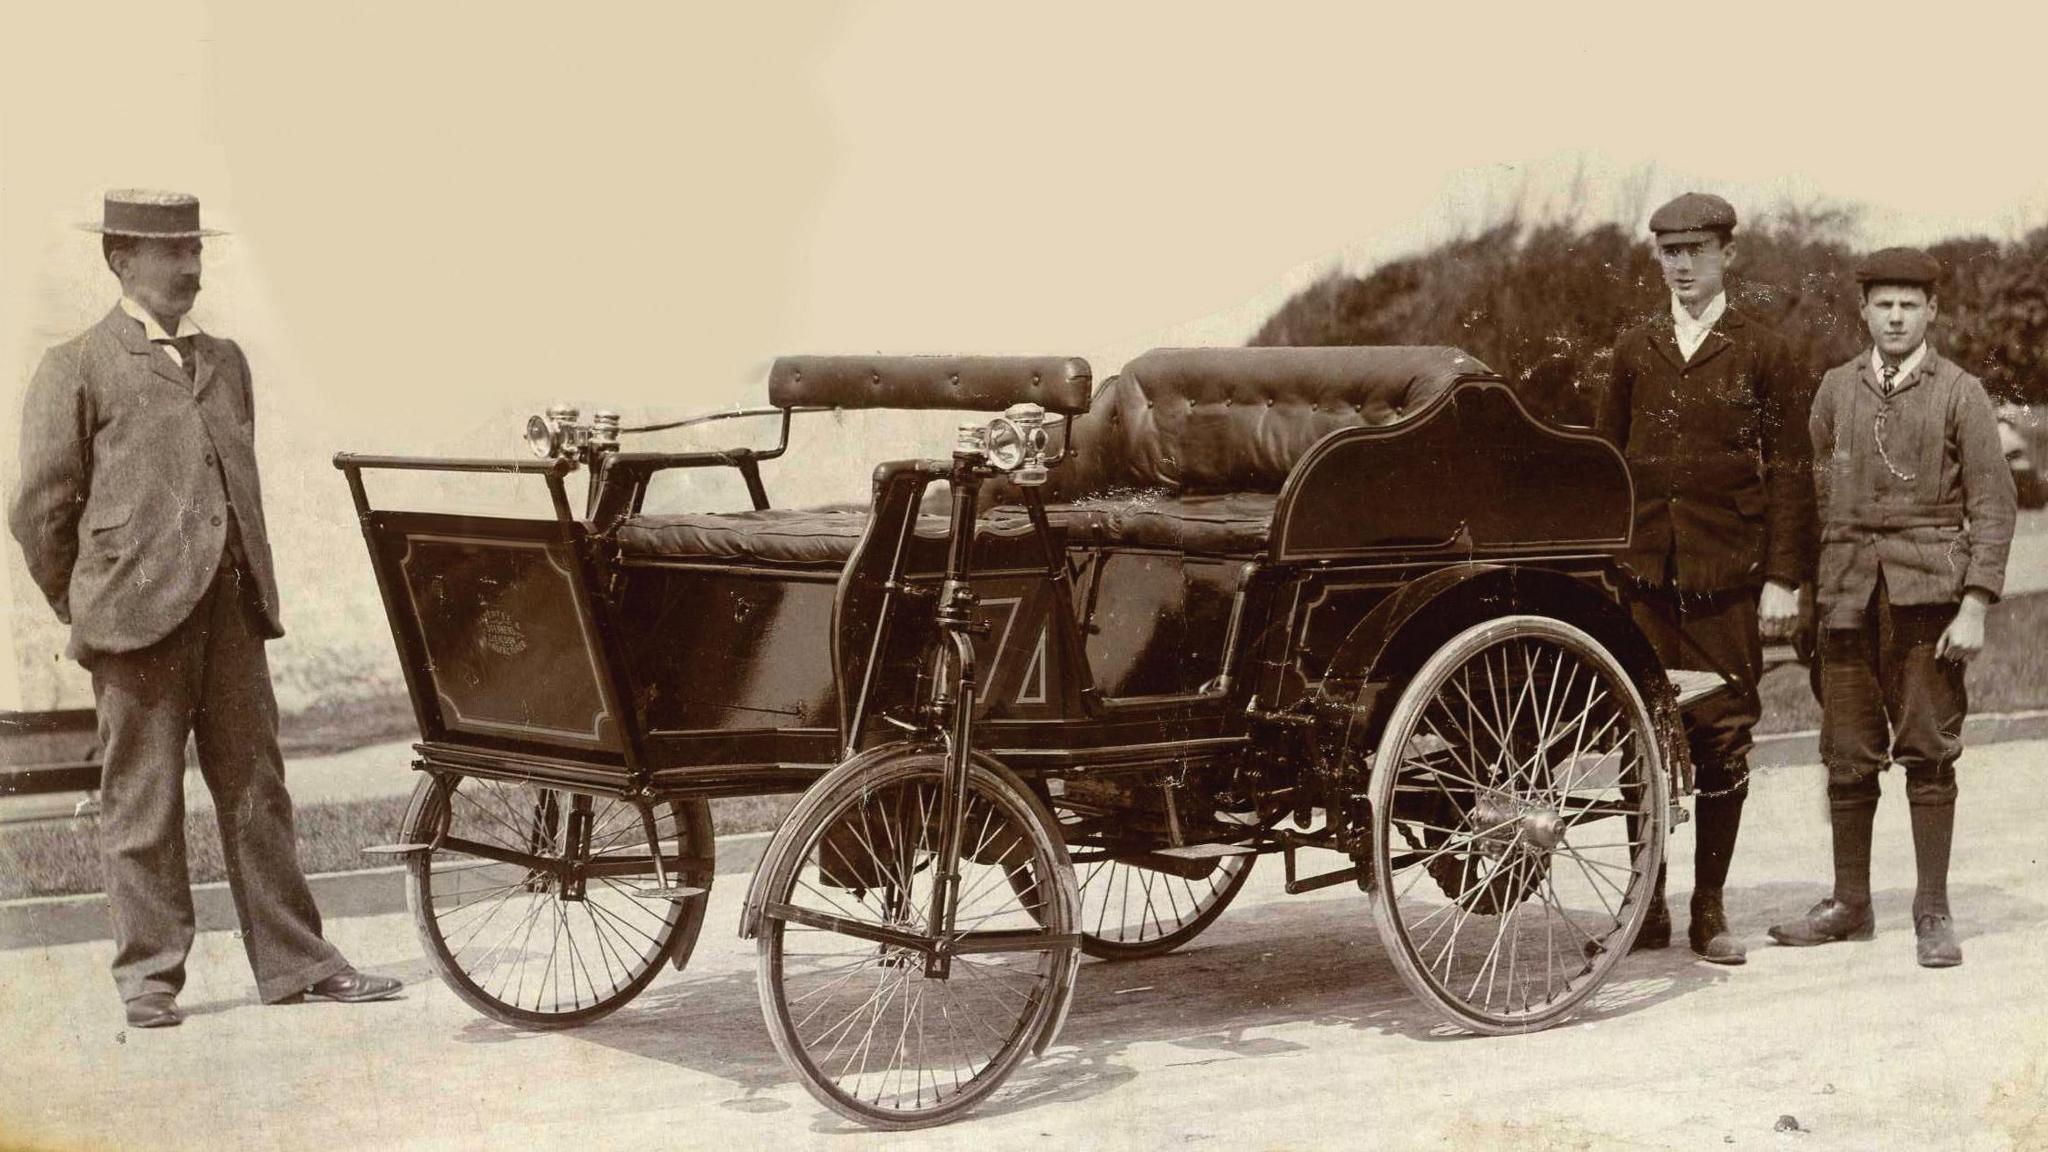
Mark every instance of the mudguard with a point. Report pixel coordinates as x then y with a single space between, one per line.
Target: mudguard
1386 647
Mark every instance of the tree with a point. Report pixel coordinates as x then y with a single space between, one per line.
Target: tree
1542 304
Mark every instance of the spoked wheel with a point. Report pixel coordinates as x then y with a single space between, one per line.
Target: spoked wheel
522 938
1130 911
1519 804
851 1000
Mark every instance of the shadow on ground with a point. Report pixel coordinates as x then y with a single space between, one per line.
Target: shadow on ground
1315 963
1265 968
1978 910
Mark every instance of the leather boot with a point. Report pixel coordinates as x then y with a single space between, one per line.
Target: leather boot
1845 915
1852 821
1708 932
1656 929
1934 935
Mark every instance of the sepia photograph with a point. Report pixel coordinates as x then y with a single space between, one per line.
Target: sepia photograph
882 574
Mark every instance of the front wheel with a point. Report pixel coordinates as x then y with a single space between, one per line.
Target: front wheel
850 998
1519 805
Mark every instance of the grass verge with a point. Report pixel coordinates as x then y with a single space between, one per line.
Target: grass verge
327 728
2011 675
61 858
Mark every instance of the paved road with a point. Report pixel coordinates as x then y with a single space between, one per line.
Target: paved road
1284 1026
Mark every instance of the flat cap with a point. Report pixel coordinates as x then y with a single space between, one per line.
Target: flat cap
1694 212
1899 266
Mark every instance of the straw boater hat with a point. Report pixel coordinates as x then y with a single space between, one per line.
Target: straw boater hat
151 215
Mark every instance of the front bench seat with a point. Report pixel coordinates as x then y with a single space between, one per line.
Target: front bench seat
802 537
1225 524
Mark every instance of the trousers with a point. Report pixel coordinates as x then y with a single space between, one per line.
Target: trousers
1712 633
208 679
1886 699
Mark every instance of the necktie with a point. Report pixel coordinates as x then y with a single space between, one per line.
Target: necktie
1890 372
186 358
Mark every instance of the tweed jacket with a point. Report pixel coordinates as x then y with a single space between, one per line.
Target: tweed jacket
129 472
1715 443
1913 485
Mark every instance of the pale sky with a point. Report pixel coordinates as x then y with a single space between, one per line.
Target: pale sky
448 214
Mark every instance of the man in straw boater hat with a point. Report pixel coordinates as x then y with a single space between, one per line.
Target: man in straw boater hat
1710 410
141 520
1917 509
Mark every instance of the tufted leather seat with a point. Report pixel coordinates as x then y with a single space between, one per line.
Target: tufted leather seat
1210 524
800 536
1186 449
1192 420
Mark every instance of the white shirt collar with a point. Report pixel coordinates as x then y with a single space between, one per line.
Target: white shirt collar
1692 332
1684 319
155 331
1907 366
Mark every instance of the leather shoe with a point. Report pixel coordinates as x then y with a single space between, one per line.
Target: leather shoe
349 986
1656 930
1936 942
1826 922
156 1010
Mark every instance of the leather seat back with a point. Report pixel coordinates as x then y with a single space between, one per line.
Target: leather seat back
968 383
1200 420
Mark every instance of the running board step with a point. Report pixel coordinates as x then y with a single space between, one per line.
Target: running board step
404 849
1203 851
667 893
1693 687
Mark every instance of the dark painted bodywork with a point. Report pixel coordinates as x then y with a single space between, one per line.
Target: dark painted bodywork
540 649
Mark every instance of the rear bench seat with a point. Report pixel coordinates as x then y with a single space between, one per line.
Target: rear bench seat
1186 450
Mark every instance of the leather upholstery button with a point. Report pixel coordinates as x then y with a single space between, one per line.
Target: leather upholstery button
216 521
209 457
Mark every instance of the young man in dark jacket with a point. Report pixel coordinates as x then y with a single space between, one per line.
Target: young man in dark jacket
1917 509
1711 413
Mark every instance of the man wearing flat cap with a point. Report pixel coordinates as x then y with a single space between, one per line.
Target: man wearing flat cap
1710 411
1917 509
141 520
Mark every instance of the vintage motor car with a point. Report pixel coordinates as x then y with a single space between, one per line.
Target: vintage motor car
2027 483
1052 694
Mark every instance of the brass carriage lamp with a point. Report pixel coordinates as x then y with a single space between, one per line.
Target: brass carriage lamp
545 435
1016 443
559 434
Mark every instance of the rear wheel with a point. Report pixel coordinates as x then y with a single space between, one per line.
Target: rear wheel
505 923
844 940
1129 910
1520 804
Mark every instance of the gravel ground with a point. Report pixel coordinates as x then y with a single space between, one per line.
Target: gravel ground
1283 1027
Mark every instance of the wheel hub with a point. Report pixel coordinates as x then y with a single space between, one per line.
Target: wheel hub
1500 820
